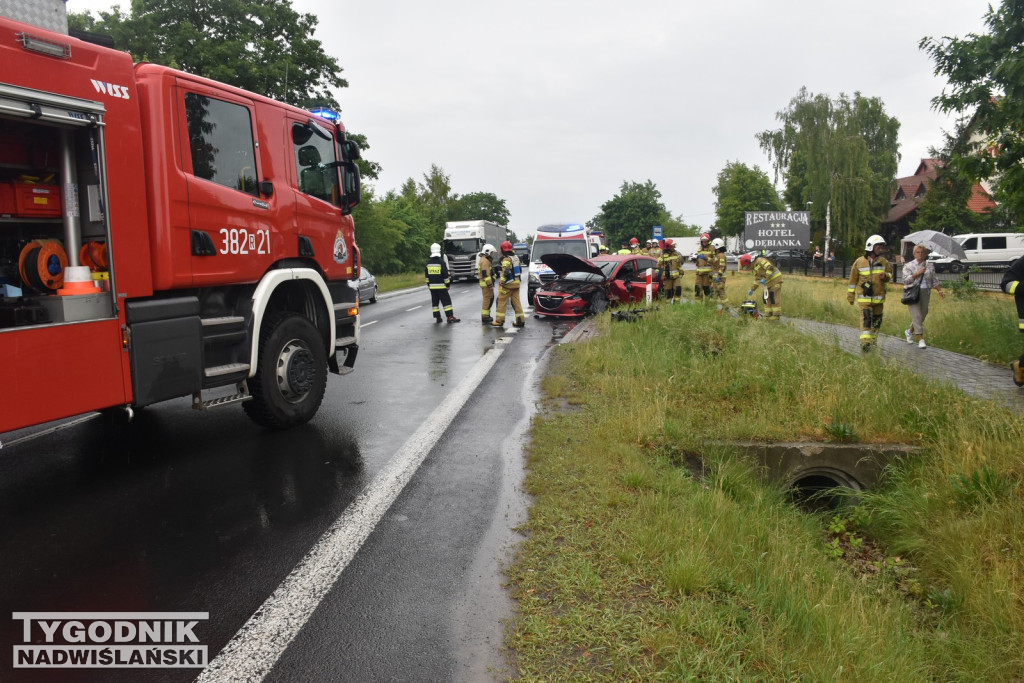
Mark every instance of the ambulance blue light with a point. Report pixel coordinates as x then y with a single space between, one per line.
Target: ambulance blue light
325 113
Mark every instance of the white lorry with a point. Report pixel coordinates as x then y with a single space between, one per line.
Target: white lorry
463 241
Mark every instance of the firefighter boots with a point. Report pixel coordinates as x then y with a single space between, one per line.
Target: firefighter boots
1018 373
486 319
453 319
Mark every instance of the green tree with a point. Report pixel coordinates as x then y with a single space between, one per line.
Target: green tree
367 168
839 152
986 88
739 189
479 206
633 212
265 47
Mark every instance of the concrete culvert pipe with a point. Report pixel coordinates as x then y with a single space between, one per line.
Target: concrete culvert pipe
821 489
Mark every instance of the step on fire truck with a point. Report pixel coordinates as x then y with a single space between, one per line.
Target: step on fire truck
164 235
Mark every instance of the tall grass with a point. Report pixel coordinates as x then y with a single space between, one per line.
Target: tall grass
634 569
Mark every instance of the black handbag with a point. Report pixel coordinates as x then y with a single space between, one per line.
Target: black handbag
911 294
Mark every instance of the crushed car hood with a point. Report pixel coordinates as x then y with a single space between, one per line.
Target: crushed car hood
563 264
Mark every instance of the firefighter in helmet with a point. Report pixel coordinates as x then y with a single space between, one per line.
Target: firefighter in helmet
866 288
438 282
485 273
1013 283
508 287
624 249
634 245
702 285
718 266
655 250
766 274
602 250
671 267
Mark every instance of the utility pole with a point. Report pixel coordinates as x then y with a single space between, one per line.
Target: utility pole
828 229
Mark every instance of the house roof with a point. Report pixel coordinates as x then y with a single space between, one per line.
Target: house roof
909 192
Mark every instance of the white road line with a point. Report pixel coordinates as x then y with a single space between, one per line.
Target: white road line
252 652
413 308
367 324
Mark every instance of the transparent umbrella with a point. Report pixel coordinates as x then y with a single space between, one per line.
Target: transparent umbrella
937 242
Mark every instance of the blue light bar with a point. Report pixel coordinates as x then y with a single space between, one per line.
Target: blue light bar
325 113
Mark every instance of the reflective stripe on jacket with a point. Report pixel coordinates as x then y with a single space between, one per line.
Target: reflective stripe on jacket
485 271
437 273
671 265
875 273
704 265
510 272
764 269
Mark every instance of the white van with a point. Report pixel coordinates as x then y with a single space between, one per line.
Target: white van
994 250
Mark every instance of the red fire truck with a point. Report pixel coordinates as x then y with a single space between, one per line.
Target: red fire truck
164 235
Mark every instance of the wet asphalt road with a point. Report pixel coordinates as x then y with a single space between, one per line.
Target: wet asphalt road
205 512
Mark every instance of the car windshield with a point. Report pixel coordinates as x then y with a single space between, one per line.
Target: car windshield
574 247
460 247
606 267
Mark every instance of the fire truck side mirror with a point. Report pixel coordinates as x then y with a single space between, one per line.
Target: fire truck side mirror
266 188
350 150
350 185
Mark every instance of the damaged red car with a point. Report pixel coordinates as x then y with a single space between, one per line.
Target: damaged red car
585 286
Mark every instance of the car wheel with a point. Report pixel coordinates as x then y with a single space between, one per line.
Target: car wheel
373 297
957 267
291 373
598 303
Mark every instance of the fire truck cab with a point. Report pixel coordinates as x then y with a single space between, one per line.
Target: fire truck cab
164 235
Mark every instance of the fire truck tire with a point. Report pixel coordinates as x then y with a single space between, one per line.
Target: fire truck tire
291 373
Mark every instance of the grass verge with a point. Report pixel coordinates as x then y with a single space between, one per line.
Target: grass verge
973 322
634 569
390 283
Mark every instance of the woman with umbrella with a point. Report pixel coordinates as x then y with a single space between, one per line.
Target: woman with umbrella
920 273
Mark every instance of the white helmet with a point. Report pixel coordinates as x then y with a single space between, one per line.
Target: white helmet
717 243
435 249
489 249
872 241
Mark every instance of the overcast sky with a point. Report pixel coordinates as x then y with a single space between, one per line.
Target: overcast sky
552 105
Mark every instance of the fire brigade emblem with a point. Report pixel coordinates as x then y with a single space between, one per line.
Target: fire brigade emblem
340 248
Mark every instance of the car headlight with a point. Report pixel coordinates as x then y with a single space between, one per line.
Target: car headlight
534 279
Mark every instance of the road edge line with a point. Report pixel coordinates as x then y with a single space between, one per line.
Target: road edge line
253 651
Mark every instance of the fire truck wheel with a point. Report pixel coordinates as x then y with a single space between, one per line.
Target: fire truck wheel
291 373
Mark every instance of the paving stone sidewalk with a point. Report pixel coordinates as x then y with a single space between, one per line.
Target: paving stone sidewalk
973 376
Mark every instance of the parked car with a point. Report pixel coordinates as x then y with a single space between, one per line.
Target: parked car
790 258
367 286
584 286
